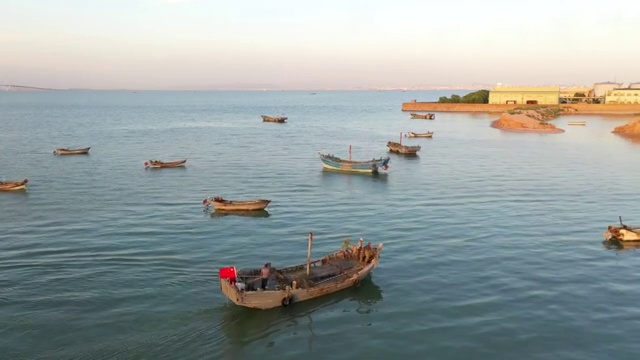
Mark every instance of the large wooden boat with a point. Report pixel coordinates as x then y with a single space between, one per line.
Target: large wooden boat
235 205
403 149
67 151
428 116
331 273
332 162
622 233
412 134
276 119
156 164
13 185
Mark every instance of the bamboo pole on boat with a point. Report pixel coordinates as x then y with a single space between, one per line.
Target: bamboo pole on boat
401 138
349 152
309 254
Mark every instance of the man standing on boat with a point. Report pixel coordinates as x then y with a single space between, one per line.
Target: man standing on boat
368 253
264 276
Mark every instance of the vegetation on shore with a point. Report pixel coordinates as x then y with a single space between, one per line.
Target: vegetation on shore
538 112
476 97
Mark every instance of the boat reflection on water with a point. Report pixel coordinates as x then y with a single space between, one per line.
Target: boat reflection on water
336 174
243 326
251 213
621 245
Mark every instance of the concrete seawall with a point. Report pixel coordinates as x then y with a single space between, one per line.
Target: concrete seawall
615 109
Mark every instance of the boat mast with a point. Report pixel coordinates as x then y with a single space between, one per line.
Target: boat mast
349 152
401 138
309 253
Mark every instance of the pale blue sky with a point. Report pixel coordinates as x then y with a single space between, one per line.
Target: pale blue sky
205 44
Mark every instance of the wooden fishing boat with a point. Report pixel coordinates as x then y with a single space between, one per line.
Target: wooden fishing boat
67 151
412 134
428 116
334 272
403 149
577 123
235 205
156 164
277 119
332 162
13 185
622 233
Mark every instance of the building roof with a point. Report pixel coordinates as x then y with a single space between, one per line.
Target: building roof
526 88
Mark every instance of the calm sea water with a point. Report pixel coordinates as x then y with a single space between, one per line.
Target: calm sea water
493 240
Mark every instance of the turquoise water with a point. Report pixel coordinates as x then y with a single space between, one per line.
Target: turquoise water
493 240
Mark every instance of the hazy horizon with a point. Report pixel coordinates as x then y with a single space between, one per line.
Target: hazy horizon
280 45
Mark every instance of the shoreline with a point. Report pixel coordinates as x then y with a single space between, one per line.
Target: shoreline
572 109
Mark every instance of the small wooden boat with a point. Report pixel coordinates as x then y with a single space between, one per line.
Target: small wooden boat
67 151
332 162
334 272
403 149
622 233
13 185
235 205
277 119
428 134
156 164
577 123
428 116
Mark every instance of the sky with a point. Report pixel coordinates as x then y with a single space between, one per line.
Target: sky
283 44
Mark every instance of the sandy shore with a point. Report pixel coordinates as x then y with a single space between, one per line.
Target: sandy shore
524 123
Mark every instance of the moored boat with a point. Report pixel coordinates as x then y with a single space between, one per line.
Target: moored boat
156 164
219 203
428 134
577 123
403 149
428 116
329 161
276 119
13 185
67 151
282 287
622 233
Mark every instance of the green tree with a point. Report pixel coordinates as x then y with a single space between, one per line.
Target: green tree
477 97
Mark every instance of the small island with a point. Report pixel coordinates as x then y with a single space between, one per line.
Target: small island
630 130
529 119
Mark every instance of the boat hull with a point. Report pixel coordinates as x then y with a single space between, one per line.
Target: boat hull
579 123
420 135
163 165
269 299
279 119
13 185
423 116
373 166
62 151
242 205
403 149
622 234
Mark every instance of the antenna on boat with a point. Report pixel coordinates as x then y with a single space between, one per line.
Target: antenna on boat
309 253
349 152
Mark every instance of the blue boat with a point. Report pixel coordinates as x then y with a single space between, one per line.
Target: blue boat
332 162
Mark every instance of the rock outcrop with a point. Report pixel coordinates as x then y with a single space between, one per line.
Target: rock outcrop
524 123
632 129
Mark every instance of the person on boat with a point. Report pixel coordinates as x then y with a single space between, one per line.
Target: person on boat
358 250
264 275
367 253
345 247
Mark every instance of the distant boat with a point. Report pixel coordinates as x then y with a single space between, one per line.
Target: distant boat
428 116
67 151
13 185
403 149
424 135
371 166
277 119
156 164
285 286
235 205
577 123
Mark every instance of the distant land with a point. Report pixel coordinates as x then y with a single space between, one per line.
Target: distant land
25 88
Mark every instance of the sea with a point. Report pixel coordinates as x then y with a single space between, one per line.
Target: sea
493 245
